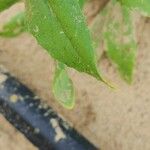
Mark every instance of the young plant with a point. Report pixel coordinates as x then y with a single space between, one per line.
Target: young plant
59 27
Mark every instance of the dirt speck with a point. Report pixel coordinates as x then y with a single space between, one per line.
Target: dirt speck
14 98
59 133
36 130
3 78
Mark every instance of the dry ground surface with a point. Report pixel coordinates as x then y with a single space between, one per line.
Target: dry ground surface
112 120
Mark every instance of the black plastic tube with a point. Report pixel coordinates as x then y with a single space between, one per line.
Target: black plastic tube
38 122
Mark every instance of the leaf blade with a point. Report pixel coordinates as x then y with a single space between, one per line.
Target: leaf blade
82 2
63 89
65 43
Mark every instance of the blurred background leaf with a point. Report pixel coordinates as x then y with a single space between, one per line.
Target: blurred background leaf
141 5
4 4
14 27
119 39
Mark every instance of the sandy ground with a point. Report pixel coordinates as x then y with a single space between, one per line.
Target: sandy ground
112 120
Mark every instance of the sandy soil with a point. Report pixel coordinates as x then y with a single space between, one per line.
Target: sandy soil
113 120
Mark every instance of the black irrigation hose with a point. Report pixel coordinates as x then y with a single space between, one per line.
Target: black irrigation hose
39 123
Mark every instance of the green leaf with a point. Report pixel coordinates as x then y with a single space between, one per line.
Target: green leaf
63 87
4 4
59 27
141 5
14 27
82 2
119 39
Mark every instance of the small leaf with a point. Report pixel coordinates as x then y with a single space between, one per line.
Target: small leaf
4 4
141 5
14 27
59 27
63 87
119 39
